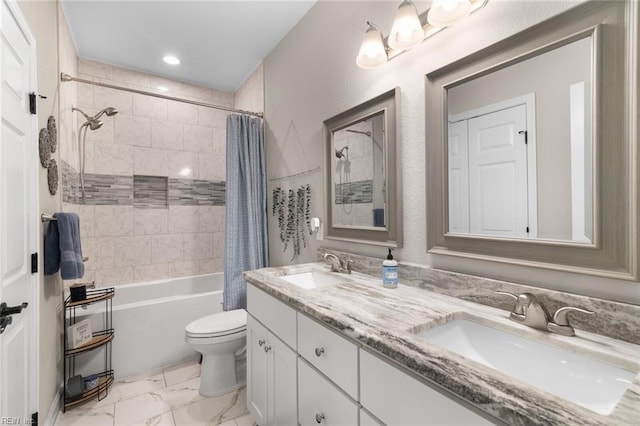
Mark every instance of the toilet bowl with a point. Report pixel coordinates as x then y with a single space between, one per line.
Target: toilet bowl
221 339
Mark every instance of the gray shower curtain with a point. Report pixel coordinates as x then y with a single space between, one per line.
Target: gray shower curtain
245 245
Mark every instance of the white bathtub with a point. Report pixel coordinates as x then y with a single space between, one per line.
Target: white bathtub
149 320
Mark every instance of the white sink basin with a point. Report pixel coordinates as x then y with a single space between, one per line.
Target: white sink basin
313 279
589 383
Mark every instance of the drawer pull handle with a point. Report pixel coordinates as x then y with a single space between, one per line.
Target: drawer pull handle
261 342
267 348
319 351
319 418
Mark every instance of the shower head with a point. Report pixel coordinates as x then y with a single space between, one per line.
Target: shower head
110 111
339 153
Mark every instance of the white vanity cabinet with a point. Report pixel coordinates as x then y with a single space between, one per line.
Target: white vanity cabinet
300 371
271 363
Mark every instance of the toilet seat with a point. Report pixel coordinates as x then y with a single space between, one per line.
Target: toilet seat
222 324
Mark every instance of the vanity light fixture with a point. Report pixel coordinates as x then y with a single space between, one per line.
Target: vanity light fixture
171 60
408 31
372 51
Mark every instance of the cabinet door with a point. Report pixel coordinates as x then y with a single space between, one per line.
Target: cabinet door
283 386
321 402
384 389
257 371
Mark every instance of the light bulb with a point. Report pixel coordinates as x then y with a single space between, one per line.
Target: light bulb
372 52
406 31
446 12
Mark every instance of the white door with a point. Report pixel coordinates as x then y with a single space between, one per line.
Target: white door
458 177
18 163
498 173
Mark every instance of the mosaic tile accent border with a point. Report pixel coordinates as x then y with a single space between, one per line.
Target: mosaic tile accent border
108 190
140 191
150 192
188 192
360 192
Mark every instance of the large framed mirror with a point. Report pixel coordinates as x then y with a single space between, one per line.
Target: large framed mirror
532 146
362 173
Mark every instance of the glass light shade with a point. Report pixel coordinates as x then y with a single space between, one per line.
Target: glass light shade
406 31
372 52
446 12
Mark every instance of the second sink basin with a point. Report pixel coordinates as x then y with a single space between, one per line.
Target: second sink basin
587 382
313 279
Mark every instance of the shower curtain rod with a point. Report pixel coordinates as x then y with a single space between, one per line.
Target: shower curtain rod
66 77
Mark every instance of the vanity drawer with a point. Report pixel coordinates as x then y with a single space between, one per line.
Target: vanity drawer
275 315
333 355
320 402
384 388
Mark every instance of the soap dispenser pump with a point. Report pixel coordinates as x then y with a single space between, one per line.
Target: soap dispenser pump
390 272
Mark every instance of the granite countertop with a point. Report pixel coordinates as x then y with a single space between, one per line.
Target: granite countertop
380 319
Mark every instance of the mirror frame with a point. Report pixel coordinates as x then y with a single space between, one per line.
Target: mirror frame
391 235
614 249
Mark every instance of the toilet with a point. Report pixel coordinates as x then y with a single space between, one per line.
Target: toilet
221 339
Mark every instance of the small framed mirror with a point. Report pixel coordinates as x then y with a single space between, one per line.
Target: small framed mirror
532 146
362 172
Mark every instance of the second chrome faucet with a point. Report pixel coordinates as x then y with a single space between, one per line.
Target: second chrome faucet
529 311
338 265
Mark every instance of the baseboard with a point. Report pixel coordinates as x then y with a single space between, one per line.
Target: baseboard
54 409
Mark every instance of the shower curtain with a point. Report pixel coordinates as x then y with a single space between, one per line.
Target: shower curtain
246 244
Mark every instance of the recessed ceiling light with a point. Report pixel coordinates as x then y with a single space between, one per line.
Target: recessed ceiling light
162 89
171 60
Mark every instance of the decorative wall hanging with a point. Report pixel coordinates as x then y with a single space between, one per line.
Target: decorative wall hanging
53 133
294 218
52 176
44 147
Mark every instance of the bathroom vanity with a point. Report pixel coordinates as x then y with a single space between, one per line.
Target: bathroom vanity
328 348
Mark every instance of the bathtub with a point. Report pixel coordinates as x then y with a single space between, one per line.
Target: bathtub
149 320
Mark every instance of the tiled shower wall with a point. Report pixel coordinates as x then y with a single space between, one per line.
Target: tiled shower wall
154 204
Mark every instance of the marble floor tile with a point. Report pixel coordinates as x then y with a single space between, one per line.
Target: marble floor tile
136 385
139 408
182 394
213 411
229 423
246 420
81 416
165 419
181 372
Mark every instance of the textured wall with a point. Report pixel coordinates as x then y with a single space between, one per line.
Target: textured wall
309 78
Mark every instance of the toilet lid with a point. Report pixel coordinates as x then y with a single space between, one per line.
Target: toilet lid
227 322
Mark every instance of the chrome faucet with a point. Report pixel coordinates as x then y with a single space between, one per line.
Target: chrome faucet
338 265
529 311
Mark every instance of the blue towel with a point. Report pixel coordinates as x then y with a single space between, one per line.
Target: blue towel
62 248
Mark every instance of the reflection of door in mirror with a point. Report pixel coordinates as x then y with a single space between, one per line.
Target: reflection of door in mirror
358 168
520 150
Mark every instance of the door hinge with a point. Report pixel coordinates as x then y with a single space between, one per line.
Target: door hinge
527 229
34 419
32 103
34 263
526 136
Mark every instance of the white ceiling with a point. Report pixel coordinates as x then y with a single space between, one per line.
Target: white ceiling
219 43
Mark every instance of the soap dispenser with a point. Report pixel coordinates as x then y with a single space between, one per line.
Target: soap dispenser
390 272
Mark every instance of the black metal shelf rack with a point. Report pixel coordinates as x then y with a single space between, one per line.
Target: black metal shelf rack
101 340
